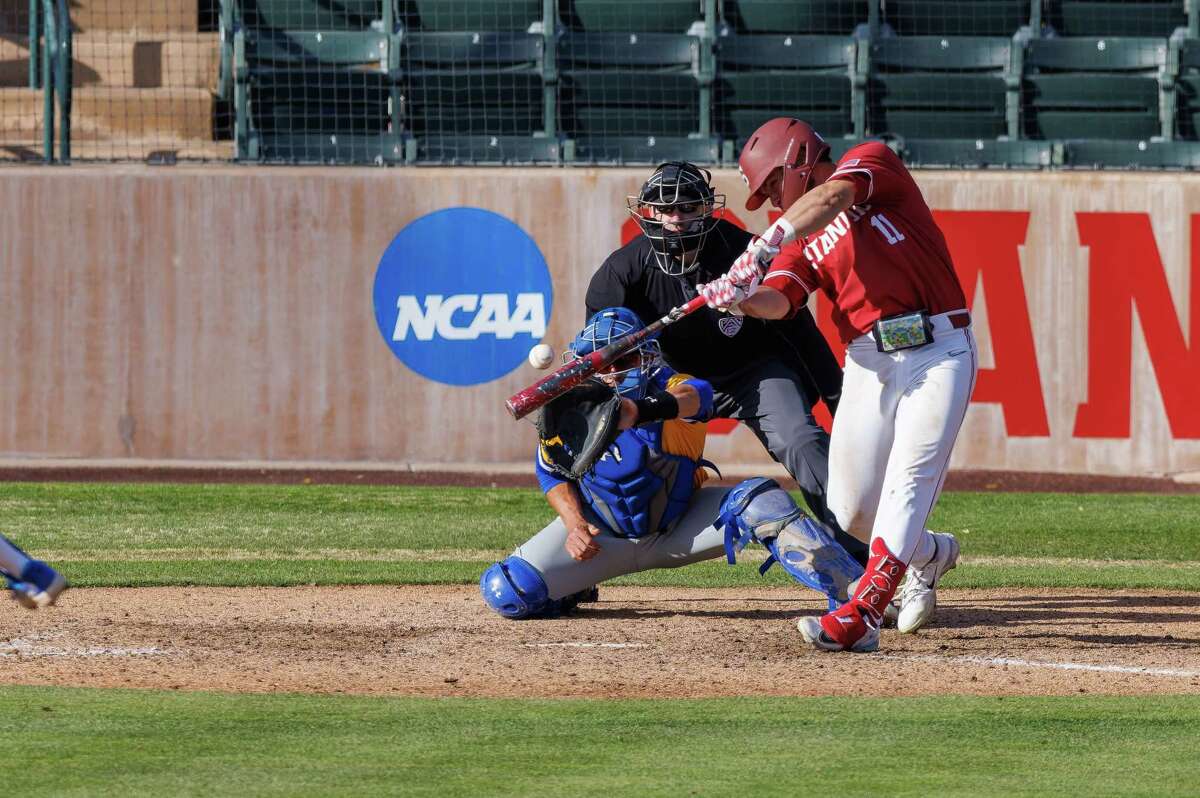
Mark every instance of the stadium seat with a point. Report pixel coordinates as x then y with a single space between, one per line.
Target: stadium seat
956 17
1115 17
284 15
1187 89
474 84
943 87
473 15
315 95
1092 154
805 17
1081 88
632 86
629 16
957 153
764 76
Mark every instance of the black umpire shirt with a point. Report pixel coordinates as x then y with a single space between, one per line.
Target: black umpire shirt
709 344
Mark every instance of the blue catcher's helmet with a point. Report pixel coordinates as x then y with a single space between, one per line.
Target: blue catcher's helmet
631 373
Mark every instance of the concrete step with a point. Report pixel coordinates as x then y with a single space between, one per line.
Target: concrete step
135 15
104 113
30 149
134 60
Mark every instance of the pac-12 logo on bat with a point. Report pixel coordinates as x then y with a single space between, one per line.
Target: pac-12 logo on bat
461 295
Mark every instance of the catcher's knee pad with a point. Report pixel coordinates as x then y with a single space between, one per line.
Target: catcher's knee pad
515 589
759 510
756 509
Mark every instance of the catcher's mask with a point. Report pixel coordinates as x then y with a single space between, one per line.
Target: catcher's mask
631 373
676 209
781 143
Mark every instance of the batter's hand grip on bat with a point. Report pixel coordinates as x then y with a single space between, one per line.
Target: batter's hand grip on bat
526 401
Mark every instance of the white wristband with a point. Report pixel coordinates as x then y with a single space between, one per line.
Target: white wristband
780 233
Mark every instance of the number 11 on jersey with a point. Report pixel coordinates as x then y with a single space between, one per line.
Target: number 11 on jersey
885 226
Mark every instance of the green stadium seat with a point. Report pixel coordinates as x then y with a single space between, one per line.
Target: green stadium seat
488 150
314 95
805 17
760 77
474 15
1116 17
1187 90
1092 154
474 83
628 16
956 17
981 153
630 85
642 150
314 15
1081 88
942 87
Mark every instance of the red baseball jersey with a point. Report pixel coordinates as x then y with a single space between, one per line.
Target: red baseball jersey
882 257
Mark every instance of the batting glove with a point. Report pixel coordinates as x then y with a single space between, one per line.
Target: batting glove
752 263
725 295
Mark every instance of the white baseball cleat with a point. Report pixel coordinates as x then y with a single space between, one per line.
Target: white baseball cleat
811 631
918 594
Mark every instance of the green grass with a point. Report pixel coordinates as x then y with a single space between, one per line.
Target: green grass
138 534
90 742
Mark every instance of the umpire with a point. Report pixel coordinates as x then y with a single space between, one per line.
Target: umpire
766 374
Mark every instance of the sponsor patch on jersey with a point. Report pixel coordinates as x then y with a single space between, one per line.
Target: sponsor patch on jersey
729 325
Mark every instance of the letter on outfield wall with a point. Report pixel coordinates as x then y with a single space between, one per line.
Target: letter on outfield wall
984 246
1126 270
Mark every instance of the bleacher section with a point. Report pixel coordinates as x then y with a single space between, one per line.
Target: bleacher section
1005 83
143 82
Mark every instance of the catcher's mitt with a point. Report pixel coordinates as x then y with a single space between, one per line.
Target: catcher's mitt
576 428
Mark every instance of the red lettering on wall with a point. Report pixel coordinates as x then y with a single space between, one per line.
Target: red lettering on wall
1124 270
984 243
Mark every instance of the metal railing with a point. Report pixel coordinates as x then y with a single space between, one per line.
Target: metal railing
50 71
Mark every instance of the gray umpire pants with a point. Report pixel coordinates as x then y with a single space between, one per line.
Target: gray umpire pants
693 538
770 398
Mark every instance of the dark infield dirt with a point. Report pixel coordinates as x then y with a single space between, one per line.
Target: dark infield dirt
634 642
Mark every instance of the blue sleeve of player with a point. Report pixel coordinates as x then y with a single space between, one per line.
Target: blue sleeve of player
662 379
705 389
547 479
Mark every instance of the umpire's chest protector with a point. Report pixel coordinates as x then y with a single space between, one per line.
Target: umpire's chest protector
636 487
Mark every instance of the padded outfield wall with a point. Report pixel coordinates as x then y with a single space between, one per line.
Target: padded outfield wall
374 314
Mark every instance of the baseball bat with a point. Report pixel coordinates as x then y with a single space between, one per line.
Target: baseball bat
526 401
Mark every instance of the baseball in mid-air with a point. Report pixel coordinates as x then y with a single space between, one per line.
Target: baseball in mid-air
541 356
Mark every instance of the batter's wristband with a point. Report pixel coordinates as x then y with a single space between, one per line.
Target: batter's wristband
780 233
657 407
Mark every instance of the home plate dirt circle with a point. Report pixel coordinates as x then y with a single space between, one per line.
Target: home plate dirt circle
635 642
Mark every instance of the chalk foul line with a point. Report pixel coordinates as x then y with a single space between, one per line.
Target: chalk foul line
1029 663
586 645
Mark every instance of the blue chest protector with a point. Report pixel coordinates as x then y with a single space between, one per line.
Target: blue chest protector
636 488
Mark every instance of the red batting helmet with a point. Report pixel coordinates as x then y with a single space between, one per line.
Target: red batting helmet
781 142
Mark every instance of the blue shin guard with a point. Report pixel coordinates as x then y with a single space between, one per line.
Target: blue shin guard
761 511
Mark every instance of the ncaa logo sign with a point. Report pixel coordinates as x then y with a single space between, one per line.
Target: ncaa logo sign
461 295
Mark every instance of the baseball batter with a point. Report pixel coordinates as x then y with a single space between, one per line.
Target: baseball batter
860 231
641 502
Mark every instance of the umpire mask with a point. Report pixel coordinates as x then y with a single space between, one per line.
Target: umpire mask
676 210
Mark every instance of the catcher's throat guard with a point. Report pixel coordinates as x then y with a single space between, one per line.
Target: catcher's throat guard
759 510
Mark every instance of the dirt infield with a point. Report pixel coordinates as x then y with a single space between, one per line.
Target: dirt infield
635 642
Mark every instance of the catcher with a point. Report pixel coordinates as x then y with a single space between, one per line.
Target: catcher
620 459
